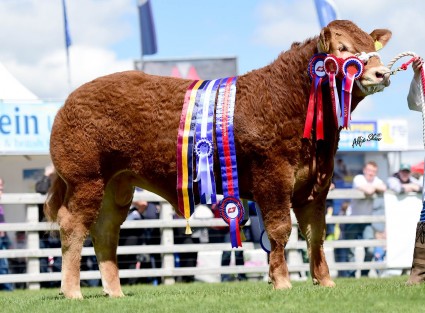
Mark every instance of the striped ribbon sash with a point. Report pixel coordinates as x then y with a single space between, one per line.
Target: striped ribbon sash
185 140
204 144
231 208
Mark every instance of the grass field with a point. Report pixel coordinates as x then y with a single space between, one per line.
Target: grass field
350 295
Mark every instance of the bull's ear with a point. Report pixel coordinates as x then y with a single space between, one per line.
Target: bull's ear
324 43
381 37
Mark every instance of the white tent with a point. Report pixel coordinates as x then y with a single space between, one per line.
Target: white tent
12 89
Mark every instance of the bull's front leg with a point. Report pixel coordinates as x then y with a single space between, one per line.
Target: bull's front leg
312 222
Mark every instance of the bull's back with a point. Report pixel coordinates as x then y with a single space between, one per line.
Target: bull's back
126 120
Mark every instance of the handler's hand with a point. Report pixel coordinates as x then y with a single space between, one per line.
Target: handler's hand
417 65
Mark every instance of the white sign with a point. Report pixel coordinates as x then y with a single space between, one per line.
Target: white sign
402 215
25 128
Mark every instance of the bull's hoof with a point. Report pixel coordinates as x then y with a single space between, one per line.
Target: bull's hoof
113 294
283 284
72 294
325 282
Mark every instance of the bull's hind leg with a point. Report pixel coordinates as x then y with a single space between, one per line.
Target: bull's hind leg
279 230
105 232
311 220
275 208
75 218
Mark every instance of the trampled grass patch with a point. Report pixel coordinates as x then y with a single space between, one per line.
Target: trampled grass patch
350 295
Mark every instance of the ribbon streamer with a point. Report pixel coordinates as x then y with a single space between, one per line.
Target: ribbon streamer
231 209
185 138
352 69
332 68
316 71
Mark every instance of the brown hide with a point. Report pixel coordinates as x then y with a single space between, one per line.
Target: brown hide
120 131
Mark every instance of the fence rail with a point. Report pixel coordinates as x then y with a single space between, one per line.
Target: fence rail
167 249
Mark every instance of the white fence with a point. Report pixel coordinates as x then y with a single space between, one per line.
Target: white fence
167 249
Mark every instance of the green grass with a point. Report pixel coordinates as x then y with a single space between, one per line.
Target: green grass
350 295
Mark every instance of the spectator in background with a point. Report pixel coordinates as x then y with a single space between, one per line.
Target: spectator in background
371 185
141 210
403 181
48 239
43 185
4 244
340 170
19 265
342 254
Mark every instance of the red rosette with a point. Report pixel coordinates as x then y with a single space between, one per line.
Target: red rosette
331 64
232 212
353 66
231 208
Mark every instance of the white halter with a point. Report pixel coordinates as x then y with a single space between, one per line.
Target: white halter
364 57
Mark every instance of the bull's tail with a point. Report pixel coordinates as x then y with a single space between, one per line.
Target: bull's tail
55 198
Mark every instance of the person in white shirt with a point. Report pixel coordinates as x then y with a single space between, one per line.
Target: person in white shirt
371 185
416 102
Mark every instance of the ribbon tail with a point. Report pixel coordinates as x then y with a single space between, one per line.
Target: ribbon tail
235 237
208 187
310 112
319 119
198 171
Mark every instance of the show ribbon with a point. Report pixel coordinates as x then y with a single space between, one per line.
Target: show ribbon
185 140
231 208
204 147
332 68
316 71
352 69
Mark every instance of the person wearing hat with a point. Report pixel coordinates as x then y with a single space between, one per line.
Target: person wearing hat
403 181
416 102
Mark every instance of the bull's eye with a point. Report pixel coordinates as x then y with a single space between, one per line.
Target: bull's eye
342 48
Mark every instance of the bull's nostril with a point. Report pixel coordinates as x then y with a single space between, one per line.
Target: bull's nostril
379 75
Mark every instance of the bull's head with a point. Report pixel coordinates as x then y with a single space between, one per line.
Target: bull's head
344 39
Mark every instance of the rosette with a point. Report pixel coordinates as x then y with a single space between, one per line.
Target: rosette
352 69
316 71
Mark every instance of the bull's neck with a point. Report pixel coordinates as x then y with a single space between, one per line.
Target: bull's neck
287 79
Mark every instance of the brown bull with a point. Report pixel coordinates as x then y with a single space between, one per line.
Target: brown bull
120 131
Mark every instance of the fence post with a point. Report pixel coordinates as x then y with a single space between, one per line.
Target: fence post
33 242
167 239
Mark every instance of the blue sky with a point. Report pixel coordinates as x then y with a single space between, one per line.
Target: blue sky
105 38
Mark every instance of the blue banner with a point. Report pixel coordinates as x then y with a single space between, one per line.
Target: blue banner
147 28
25 127
326 11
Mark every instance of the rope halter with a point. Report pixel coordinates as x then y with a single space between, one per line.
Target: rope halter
364 57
